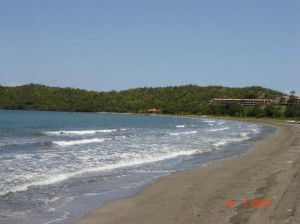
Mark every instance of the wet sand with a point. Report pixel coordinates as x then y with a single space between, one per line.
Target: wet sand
270 172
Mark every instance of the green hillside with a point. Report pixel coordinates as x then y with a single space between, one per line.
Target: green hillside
188 99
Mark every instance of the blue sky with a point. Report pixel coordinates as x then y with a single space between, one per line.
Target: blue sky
119 44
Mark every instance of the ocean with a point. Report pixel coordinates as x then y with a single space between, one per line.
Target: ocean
57 166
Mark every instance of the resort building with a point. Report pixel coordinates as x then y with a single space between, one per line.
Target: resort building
284 100
242 102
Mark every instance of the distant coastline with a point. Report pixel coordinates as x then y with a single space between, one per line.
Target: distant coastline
172 100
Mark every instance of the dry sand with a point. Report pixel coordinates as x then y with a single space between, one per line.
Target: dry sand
270 171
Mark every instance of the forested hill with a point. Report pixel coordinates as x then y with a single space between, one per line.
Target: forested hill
189 99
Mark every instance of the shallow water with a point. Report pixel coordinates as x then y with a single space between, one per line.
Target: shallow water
56 166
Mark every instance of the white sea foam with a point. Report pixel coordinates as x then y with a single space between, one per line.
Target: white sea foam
208 121
243 134
12 214
107 130
46 165
221 142
229 140
81 132
51 179
93 156
65 215
180 126
183 133
219 129
255 130
81 141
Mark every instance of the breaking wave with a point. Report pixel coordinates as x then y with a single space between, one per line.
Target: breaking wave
81 141
81 132
183 133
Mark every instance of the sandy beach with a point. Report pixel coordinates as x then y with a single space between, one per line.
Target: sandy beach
262 186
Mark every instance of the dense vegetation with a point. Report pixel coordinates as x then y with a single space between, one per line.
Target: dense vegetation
189 99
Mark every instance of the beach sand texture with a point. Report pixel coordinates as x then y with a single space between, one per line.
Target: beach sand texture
270 171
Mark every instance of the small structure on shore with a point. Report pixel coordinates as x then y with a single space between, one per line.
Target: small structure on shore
152 110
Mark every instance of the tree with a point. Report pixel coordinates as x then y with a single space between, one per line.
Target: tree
188 99
292 98
234 109
256 111
292 110
272 111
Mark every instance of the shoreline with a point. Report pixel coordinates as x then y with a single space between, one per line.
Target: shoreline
269 171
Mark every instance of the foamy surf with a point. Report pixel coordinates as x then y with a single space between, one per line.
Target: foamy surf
243 134
121 164
82 141
226 141
183 133
79 132
219 129
180 126
76 154
208 121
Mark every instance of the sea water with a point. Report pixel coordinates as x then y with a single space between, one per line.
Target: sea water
57 166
